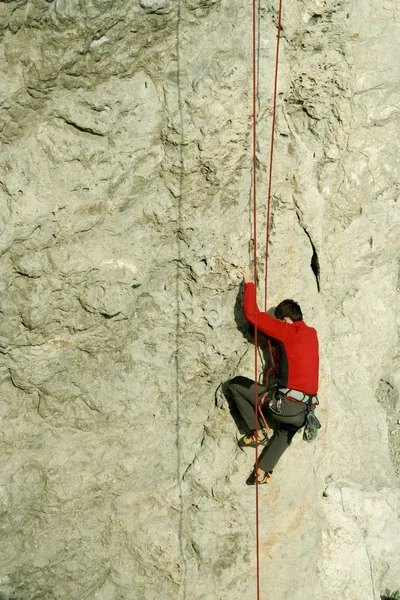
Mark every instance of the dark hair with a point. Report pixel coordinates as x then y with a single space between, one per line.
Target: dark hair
288 308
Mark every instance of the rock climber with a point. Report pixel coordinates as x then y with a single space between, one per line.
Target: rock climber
296 386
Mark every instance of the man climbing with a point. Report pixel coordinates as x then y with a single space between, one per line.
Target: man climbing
285 408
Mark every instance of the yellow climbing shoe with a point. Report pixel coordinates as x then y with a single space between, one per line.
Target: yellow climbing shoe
250 440
261 481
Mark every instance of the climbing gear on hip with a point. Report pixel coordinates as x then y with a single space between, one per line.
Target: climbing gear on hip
274 396
265 400
273 399
312 424
311 427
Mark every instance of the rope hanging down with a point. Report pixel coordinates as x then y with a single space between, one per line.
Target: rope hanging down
254 20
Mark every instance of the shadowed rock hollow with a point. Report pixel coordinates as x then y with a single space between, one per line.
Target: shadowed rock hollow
125 183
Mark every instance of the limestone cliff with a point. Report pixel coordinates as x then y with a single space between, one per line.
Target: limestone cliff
125 184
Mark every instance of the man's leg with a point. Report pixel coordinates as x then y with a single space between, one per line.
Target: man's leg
279 442
287 424
242 390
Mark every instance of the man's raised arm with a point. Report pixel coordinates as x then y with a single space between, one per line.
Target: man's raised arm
268 325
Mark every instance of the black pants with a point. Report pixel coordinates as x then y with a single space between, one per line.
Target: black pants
285 423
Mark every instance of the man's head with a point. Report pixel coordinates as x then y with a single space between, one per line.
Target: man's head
288 310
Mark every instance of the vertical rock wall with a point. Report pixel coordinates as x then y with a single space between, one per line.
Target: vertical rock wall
125 183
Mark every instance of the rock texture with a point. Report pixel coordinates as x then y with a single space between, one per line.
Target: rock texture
125 183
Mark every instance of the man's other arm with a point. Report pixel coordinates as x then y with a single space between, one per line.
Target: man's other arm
265 323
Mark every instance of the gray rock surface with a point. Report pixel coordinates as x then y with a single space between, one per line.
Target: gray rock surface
125 178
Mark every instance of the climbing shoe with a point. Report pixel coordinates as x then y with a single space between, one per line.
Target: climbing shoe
252 479
249 440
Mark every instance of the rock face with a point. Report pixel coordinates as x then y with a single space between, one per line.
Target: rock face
125 191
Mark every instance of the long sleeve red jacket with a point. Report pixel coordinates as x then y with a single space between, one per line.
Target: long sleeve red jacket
298 345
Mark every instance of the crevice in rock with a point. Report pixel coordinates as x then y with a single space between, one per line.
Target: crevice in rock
90 406
371 570
108 316
386 395
198 451
314 262
315 267
27 275
81 128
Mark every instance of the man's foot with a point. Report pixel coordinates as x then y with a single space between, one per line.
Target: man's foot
263 478
249 440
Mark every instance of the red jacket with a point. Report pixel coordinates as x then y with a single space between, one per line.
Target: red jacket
299 359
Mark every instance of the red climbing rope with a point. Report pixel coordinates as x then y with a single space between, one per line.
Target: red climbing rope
271 153
256 399
255 277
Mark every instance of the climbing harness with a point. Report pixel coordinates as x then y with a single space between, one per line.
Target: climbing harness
300 397
254 48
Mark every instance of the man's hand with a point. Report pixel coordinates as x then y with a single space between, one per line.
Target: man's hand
247 275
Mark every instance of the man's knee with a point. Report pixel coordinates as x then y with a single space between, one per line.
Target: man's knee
240 382
232 383
289 431
289 428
